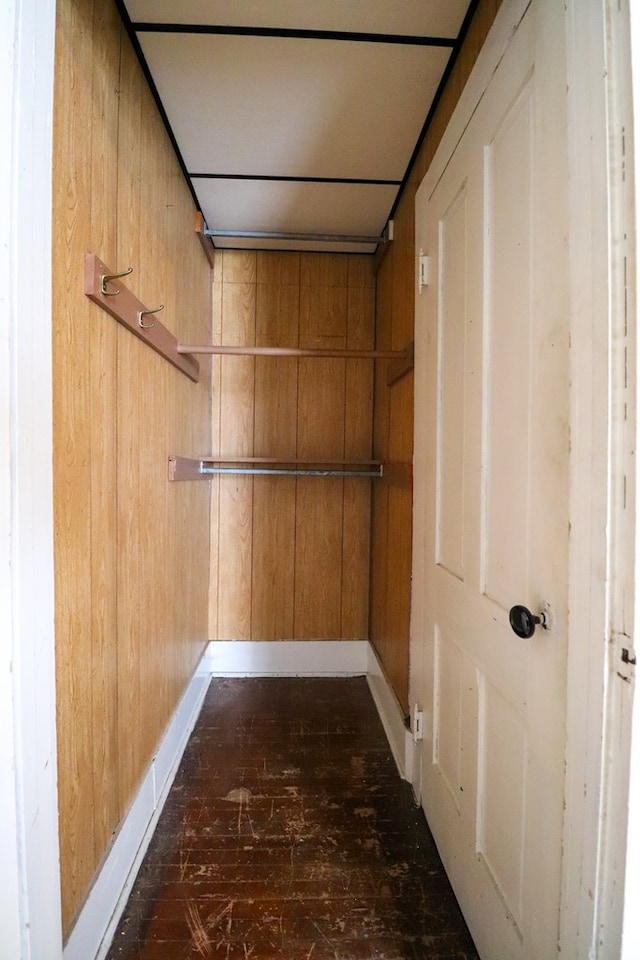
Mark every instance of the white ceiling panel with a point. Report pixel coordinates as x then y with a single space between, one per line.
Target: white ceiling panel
427 18
322 208
296 116
296 107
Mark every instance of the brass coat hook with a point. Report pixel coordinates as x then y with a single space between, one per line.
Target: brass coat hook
144 313
106 277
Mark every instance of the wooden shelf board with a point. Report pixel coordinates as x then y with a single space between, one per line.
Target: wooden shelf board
249 351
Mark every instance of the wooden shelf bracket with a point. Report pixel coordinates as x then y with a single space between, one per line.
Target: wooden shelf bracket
103 287
205 241
400 367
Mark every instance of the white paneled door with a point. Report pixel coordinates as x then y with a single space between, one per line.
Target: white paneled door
492 435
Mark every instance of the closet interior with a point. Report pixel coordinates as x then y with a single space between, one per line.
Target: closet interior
232 432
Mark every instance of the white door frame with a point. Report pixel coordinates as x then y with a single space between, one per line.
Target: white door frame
30 876
631 916
602 444
603 477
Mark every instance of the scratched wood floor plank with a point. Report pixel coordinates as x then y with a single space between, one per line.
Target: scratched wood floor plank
289 834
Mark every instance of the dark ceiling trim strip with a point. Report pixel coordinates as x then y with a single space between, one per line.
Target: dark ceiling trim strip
122 10
436 100
230 31
277 179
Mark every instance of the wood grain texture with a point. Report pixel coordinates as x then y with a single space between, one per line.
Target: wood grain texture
125 544
318 558
276 392
127 461
321 434
214 447
102 376
237 386
273 568
293 554
393 406
72 455
358 439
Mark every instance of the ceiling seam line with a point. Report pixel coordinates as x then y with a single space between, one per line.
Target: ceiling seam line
293 34
291 179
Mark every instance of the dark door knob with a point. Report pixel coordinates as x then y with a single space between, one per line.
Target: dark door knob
523 622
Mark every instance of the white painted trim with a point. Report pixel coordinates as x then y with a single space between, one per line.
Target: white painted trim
391 715
631 914
589 475
30 926
287 658
96 924
603 449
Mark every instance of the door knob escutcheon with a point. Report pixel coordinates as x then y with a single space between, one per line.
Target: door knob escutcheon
524 623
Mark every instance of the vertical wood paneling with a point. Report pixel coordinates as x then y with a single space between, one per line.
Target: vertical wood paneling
131 554
358 439
378 613
173 567
154 591
188 584
236 438
72 452
276 390
321 430
318 558
102 376
393 418
309 538
188 314
129 439
216 412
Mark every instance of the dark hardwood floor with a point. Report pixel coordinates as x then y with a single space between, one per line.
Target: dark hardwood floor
289 834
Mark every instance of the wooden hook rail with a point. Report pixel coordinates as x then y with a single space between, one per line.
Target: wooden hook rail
102 287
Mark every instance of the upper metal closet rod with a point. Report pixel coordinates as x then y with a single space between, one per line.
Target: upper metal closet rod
275 235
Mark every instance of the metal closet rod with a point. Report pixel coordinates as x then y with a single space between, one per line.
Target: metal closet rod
206 468
276 235
295 352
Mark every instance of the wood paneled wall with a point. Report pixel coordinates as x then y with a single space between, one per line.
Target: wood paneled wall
131 550
290 556
391 530
393 418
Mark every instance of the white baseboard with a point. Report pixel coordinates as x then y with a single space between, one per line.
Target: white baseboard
287 658
96 924
391 715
